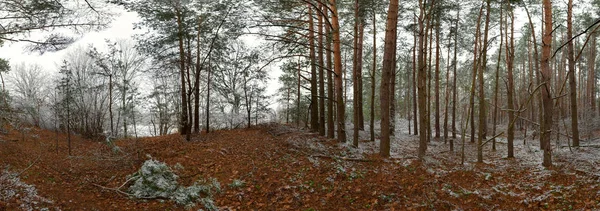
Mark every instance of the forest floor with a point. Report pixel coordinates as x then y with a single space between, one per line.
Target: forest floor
284 168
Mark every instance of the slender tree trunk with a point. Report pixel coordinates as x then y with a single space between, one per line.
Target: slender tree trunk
208 97
474 76
287 110
197 83
546 124
386 74
298 110
496 79
361 115
355 69
330 91
422 81
321 75
124 107
482 115
69 115
110 110
592 74
392 100
314 89
338 72
538 76
447 92
437 78
372 123
184 102
414 82
571 75
510 55
454 91
429 40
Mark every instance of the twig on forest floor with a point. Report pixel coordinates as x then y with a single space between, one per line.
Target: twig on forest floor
30 165
335 157
125 193
343 158
118 189
592 146
113 189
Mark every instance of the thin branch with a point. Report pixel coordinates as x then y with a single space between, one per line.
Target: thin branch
572 38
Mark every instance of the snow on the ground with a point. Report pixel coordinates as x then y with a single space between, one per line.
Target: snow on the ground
15 191
528 158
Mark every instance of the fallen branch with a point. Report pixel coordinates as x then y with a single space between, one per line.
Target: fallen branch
591 146
30 165
342 158
125 193
113 189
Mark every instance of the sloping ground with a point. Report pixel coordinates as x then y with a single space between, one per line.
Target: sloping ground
276 167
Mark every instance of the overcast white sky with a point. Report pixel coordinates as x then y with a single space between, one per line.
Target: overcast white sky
121 27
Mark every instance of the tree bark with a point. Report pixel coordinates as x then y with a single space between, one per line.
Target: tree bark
474 76
592 74
414 83
208 98
571 75
386 74
510 55
372 119
496 79
110 99
197 83
321 74
422 82
355 69
546 124
314 102
537 67
337 53
447 92
454 91
184 102
393 81
298 110
482 115
437 78
361 115
330 91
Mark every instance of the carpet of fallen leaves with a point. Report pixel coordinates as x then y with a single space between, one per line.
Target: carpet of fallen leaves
277 167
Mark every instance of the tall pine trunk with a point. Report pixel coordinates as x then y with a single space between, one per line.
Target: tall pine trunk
482 116
314 103
330 91
476 60
321 74
571 75
496 79
510 55
355 69
372 119
197 83
414 82
386 74
546 123
422 82
454 91
209 71
337 53
437 78
184 102
298 94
